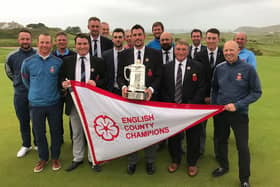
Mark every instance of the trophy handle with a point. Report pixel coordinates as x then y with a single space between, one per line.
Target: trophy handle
124 72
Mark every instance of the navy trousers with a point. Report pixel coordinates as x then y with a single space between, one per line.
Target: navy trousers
39 116
239 124
21 105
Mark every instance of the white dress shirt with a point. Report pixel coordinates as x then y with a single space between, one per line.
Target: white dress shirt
78 67
183 66
98 42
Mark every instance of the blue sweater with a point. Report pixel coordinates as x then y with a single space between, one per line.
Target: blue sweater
13 67
248 56
236 83
155 44
40 76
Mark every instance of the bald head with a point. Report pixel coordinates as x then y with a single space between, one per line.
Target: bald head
241 39
166 40
231 51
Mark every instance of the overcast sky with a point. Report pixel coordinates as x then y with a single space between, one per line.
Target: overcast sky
175 14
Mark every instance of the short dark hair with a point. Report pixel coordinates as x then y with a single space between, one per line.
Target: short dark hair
118 30
137 26
156 24
82 35
214 31
25 30
196 30
93 19
61 33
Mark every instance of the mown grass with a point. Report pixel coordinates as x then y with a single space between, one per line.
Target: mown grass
264 146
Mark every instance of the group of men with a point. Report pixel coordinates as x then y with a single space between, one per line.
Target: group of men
175 72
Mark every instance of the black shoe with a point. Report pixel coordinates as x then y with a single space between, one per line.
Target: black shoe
131 169
73 165
244 184
97 168
150 168
219 172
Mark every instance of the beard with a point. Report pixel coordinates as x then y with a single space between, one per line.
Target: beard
166 47
25 46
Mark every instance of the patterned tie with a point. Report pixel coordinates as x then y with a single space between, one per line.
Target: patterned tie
95 48
179 85
83 72
212 59
166 57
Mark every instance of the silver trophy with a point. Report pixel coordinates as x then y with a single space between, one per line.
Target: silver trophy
136 81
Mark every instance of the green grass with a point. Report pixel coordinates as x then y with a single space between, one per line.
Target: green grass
264 147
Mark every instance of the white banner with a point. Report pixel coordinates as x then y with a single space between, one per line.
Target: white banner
115 126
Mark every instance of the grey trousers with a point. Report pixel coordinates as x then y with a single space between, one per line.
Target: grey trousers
150 154
79 143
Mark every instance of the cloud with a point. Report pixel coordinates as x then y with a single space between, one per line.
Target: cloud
187 14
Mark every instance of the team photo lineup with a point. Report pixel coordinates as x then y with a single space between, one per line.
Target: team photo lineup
135 77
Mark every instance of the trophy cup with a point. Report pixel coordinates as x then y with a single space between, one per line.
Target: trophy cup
136 81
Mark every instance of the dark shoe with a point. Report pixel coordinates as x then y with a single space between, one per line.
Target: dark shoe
172 167
150 168
131 169
192 171
97 168
219 172
73 165
245 184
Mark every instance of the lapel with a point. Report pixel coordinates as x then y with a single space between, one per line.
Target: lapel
172 69
73 68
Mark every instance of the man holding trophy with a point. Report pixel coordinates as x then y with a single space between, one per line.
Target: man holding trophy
141 82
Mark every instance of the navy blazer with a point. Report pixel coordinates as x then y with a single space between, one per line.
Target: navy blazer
108 57
153 62
194 83
203 58
203 47
68 71
105 43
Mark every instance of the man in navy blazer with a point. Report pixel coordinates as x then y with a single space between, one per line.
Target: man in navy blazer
94 74
152 60
149 57
192 92
167 50
110 57
102 43
196 37
204 57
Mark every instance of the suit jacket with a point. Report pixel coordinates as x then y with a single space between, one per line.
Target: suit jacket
68 71
203 58
203 47
153 63
108 57
104 42
194 83
163 55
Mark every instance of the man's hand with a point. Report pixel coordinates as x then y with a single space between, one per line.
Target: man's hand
207 100
230 107
124 92
148 93
92 82
66 84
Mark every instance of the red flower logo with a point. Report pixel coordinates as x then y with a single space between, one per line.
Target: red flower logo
150 73
106 128
194 77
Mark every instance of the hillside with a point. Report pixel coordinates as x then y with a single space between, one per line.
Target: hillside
267 29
